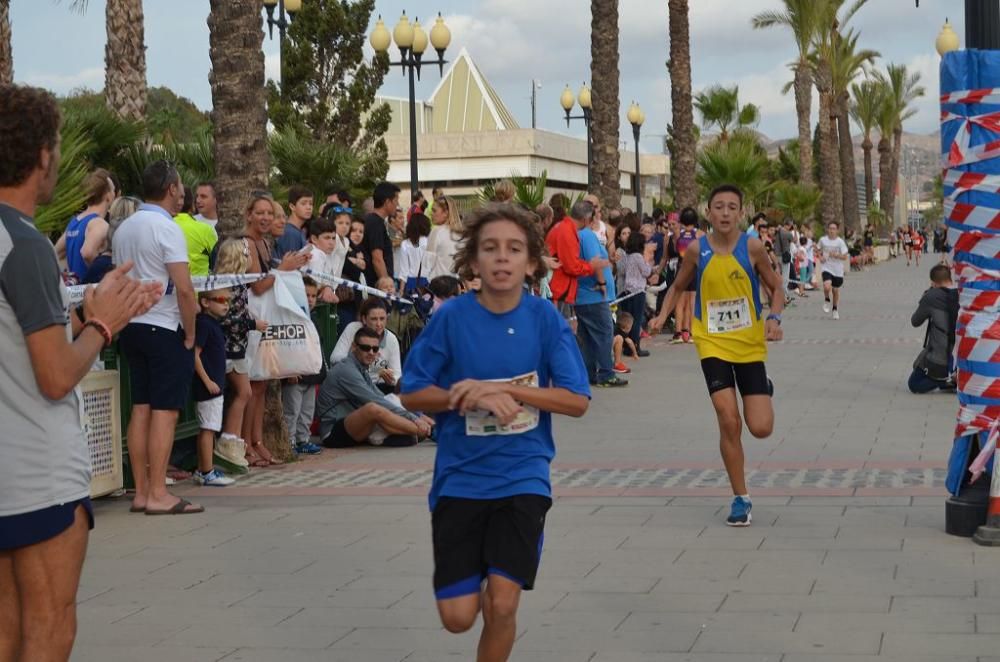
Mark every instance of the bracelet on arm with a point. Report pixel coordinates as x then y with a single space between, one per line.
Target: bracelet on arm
774 316
102 328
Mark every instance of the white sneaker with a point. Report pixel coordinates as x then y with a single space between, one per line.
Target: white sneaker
826 306
836 314
213 478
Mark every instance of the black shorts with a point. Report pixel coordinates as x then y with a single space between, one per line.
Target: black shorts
41 525
836 281
474 538
750 378
160 367
339 438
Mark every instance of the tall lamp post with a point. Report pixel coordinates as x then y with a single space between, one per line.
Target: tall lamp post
636 117
287 9
584 100
412 42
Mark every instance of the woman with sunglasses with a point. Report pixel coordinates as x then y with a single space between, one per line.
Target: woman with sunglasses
259 217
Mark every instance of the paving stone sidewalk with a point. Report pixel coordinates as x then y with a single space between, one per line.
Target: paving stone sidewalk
846 561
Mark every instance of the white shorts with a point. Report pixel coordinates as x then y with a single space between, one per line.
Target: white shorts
242 366
210 414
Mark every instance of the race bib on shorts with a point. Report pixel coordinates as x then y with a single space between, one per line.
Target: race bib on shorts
729 315
484 423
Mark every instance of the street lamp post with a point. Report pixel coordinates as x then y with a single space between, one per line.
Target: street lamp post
292 7
584 100
412 42
636 117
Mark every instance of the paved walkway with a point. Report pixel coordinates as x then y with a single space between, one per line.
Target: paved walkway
329 559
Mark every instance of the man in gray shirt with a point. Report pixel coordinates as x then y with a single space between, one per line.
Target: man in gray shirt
350 406
45 512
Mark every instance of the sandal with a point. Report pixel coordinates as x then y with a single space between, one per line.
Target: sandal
179 508
265 455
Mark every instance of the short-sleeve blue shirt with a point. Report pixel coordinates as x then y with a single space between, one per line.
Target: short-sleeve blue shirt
465 341
587 292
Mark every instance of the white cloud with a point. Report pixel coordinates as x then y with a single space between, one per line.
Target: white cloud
91 78
928 106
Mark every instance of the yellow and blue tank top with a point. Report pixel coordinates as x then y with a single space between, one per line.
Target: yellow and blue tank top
727 322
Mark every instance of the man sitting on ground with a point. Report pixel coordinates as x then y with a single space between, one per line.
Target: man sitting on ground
353 411
934 367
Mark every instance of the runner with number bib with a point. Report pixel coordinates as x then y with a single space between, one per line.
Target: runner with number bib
729 333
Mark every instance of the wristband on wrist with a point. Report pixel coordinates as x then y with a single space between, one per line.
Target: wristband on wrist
101 328
775 317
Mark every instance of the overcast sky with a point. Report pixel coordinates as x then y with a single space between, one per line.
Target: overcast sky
513 41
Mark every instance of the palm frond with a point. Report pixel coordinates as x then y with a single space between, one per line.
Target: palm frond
68 197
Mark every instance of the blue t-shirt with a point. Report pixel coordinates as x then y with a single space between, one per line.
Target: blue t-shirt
465 341
76 235
208 335
292 240
587 292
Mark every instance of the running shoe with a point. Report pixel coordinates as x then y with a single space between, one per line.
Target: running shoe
686 337
612 382
622 369
213 478
643 334
677 339
739 513
643 353
836 314
826 306
308 448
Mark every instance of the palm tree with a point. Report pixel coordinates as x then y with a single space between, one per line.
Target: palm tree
6 56
124 57
825 43
848 62
720 107
683 142
239 116
740 161
605 114
902 87
864 109
797 201
801 17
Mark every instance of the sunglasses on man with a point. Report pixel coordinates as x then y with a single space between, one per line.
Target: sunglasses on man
370 349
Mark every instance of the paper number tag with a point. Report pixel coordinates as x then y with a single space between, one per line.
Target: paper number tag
728 315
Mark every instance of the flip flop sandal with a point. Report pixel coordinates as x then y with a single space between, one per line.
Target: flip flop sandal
137 509
179 508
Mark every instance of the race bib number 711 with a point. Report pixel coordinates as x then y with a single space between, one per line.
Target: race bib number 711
728 315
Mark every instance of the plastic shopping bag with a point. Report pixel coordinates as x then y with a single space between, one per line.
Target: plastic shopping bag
290 345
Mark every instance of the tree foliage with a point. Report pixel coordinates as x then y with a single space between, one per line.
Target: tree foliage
328 89
170 118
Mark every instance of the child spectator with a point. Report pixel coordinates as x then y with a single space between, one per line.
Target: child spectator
298 395
210 372
233 258
934 367
491 488
354 270
800 265
300 205
444 288
410 272
342 228
623 339
638 266
323 257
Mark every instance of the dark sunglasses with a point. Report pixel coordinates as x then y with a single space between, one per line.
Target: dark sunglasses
372 349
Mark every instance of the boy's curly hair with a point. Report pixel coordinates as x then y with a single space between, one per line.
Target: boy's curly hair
29 122
500 211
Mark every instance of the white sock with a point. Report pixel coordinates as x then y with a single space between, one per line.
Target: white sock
745 497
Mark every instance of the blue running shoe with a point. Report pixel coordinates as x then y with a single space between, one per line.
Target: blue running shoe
739 515
308 448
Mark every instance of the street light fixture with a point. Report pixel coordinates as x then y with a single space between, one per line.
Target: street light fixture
291 8
584 99
636 117
947 40
412 41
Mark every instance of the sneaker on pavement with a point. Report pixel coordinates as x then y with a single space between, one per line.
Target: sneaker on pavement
677 339
213 478
622 369
826 306
643 334
308 448
643 353
836 314
686 337
612 382
739 513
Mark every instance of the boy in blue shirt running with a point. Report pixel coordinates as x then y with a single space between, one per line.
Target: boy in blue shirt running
493 366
